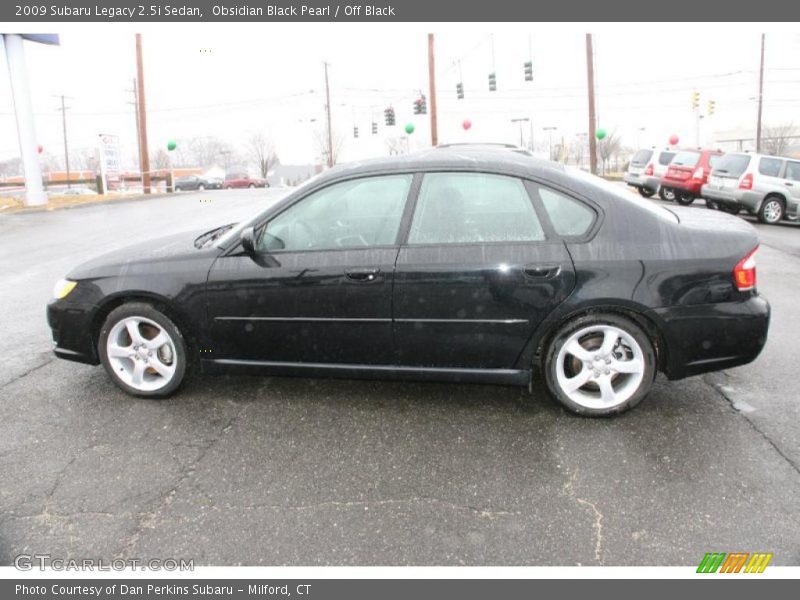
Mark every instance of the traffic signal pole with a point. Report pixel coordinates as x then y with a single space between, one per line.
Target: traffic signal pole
432 90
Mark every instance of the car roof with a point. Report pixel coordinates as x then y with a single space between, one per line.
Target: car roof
456 158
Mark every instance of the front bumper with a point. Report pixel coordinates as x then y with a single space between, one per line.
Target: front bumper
710 337
73 331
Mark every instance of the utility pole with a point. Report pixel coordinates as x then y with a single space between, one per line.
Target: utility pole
592 121
760 96
141 112
135 105
328 117
63 110
432 91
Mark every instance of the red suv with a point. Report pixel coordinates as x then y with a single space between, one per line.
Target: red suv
243 180
686 174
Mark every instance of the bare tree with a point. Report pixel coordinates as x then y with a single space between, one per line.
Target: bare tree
776 140
576 150
608 147
204 152
159 160
10 167
395 145
262 152
321 144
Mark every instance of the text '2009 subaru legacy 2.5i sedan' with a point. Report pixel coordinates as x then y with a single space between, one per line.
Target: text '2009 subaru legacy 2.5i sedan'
454 264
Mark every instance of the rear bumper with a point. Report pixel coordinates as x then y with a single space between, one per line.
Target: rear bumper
735 197
72 329
687 185
710 337
641 181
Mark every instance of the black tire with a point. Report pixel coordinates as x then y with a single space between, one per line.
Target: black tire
177 188
683 198
141 309
666 194
712 205
772 210
201 188
575 326
252 185
731 209
646 192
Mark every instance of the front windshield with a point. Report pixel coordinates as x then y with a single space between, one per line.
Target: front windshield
234 233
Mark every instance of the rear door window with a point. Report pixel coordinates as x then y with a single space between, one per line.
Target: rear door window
568 216
771 167
468 208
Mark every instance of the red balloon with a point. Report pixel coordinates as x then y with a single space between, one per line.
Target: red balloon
466 124
673 139
39 149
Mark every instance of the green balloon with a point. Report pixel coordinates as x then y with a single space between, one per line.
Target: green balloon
410 128
171 145
600 134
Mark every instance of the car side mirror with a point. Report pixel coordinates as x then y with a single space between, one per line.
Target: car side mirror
249 240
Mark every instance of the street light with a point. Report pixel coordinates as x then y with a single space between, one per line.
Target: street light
550 129
521 120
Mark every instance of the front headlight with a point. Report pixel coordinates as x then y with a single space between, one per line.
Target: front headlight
63 287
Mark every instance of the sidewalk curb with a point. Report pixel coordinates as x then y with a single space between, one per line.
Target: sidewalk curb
46 208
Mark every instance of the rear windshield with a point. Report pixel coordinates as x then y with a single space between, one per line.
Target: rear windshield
665 158
641 157
732 165
686 159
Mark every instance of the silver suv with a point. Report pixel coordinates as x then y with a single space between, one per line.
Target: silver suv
646 168
766 186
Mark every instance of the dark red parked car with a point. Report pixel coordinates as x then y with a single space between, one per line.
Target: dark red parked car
686 174
243 180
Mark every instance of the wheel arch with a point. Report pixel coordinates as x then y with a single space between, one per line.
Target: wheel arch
158 302
535 349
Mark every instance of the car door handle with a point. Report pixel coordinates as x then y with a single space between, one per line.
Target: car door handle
542 271
789 183
363 275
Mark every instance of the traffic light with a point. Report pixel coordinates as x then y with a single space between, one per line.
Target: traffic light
712 105
374 128
355 131
389 116
492 82
421 105
460 90
529 71
695 100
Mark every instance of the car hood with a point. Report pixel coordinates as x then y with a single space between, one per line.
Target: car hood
171 249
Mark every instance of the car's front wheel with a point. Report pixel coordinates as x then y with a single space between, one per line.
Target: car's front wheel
143 351
666 193
646 192
201 188
683 198
600 365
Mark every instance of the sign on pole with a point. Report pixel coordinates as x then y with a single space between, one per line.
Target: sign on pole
109 161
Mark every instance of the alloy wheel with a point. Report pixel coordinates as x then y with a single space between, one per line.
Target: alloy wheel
600 367
141 353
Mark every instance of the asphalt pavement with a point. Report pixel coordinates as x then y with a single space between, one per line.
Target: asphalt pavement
273 471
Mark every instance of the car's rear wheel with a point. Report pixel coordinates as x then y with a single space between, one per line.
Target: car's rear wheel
143 351
252 185
201 188
771 210
600 365
666 193
646 192
177 188
683 198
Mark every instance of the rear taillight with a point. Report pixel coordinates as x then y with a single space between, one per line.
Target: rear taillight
648 169
699 174
744 273
747 182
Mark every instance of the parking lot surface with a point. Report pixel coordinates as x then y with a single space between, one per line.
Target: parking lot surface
257 470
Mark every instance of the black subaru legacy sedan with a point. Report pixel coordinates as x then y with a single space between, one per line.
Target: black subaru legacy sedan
459 264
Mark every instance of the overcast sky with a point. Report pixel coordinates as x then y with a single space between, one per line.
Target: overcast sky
230 80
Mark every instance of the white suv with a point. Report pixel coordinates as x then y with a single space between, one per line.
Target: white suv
767 186
646 168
